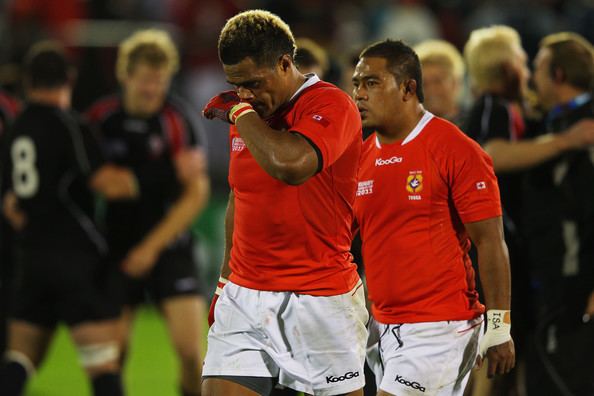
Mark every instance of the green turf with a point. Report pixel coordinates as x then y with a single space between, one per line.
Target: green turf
151 368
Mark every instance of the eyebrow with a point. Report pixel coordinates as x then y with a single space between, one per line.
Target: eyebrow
368 77
242 83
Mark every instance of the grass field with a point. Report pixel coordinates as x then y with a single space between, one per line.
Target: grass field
151 368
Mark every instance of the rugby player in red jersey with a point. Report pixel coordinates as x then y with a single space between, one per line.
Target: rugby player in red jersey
425 191
292 310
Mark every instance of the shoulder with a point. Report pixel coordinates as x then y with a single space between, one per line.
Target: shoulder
325 93
179 105
103 108
443 138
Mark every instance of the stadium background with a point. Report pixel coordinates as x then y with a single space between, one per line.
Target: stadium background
92 29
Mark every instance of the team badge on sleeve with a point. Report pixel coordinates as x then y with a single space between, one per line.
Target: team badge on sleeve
321 120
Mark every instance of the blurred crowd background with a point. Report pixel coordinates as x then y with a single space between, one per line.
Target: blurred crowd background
93 29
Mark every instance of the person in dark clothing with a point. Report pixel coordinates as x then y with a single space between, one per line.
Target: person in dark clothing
154 135
9 108
560 226
499 120
50 167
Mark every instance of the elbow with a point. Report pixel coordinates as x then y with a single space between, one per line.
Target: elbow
290 174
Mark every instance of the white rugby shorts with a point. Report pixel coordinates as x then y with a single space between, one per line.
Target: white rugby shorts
313 344
432 358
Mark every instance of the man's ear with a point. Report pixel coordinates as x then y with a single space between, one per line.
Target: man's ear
285 62
410 89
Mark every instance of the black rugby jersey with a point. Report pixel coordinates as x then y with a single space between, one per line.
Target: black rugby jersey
46 160
148 147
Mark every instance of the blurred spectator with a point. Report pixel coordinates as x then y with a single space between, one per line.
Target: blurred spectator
499 76
561 226
443 79
311 58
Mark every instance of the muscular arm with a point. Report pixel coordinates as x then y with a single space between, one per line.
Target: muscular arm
495 278
493 261
286 156
229 217
196 190
518 155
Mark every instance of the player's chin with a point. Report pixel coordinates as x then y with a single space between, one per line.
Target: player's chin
367 122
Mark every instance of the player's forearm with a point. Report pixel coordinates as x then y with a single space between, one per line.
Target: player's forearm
181 214
229 218
281 154
514 156
494 273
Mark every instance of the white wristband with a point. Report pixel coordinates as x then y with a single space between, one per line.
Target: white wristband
498 329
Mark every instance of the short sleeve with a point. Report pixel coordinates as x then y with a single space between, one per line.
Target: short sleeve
473 184
330 121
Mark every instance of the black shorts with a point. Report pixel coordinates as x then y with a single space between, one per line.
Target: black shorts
174 274
55 284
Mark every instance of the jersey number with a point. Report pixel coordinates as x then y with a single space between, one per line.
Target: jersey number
25 178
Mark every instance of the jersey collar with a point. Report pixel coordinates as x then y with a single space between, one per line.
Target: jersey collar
414 133
310 79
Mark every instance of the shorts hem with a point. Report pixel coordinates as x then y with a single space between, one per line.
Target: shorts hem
216 372
339 390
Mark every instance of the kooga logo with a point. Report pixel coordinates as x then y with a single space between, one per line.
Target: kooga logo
414 385
346 376
389 161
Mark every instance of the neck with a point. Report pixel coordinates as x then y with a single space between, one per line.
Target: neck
566 93
400 130
297 80
56 97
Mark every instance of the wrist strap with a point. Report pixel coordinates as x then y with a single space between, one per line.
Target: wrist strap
498 329
238 110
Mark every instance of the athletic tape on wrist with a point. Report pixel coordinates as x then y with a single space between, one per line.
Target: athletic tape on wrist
220 285
239 110
498 329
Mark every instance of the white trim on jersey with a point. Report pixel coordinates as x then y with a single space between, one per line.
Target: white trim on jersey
310 79
419 128
428 116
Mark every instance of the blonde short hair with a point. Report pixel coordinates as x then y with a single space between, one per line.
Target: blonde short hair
486 51
441 53
256 34
152 47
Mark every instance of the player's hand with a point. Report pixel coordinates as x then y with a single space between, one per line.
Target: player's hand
501 359
115 182
497 345
226 106
580 134
140 260
215 298
10 208
189 164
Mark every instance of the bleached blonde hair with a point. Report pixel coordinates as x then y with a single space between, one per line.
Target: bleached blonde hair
441 53
257 34
152 47
486 51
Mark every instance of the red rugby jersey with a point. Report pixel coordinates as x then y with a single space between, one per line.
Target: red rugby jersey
297 238
412 200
